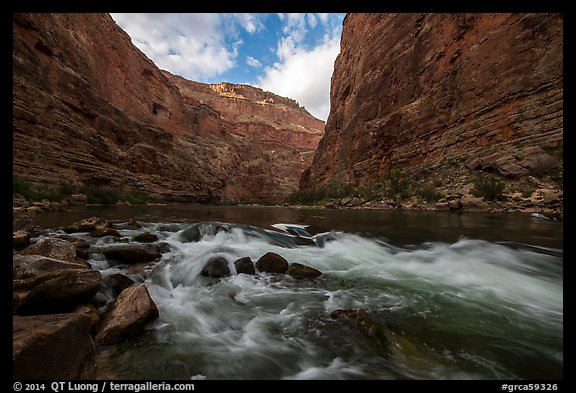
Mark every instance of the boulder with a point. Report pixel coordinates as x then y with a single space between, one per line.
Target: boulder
245 265
58 291
86 225
551 196
195 232
77 200
23 223
20 240
468 201
132 253
53 247
117 282
26 266
52 347
272 263
216 267
129 313
130 224
81 245
146 237
105 231
298 270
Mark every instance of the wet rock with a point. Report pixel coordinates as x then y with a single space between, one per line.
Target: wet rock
130 224
86 225
298 270
53 347
132 253
272 263
117 282
81 245
53 247
58 291
146 237
216 267
129 313
91 312
20 240
161 247
26 266
196 231
360 320
245 265
104 231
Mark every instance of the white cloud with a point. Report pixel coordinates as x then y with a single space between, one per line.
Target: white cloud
312 21
253 62
249 22
196 46
305 76
304 71
203 47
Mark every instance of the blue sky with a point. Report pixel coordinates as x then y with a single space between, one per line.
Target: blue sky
291 55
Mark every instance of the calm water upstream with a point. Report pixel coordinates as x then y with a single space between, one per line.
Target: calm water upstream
458 296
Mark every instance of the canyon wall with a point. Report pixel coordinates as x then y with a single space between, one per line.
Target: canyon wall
90 108
414 88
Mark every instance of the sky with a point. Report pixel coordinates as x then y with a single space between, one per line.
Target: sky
291 55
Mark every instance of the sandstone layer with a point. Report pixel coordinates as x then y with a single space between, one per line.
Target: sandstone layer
90 108
417 89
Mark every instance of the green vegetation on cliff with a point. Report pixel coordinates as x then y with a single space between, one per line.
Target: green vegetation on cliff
94 194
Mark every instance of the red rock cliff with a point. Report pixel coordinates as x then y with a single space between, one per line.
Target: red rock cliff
90 108
411 88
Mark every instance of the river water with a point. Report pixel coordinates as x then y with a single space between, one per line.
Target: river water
455 296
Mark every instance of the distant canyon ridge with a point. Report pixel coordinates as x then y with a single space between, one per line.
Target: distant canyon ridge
90 108
408 91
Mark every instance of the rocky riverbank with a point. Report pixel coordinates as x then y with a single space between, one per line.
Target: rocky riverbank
64 310
67 310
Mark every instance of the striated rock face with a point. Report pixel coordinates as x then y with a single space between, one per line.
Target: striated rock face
284 130
90 108
415 88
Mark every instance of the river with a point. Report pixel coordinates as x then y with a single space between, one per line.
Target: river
455 296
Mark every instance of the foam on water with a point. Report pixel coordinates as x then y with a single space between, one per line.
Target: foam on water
464 310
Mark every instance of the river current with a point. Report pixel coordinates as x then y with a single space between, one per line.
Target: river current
455 296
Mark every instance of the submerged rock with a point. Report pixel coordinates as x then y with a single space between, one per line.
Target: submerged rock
245 265
298 270
216 267
272 263
360 320
195 232
146 237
